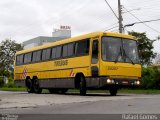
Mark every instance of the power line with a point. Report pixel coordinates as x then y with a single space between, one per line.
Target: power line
112 28
131 10
111 9
141 21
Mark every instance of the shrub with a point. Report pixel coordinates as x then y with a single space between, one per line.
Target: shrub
1 82
150 78
10 85
10 80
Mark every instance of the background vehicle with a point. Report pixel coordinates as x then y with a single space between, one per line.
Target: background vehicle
99 60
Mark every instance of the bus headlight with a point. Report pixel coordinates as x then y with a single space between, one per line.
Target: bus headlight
137 82
109 81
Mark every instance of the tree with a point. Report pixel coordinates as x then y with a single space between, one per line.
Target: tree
157 59
8 49
145 46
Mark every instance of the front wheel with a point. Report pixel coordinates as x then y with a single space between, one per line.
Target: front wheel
113 91
82 86
36 86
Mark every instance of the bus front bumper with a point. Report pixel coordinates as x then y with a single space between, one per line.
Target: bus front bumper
104 82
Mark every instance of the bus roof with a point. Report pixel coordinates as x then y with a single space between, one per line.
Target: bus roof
81 37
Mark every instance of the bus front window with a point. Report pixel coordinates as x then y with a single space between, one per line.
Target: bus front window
111 49
130 51
119 50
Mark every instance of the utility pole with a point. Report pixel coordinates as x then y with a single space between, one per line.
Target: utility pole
120 19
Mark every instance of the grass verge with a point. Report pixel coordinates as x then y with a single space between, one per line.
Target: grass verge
13 89
132 91
140 91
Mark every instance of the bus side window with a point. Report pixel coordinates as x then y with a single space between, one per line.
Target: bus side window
65 49
95 52
46 54
19 59
27 57
82 47
58 51
36 56
54 53
70 49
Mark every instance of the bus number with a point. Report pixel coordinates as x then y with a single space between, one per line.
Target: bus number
61 63
112 68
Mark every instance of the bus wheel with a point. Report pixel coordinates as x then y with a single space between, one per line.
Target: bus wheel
36 86
53 90
82 86
63 90
29 86
113 91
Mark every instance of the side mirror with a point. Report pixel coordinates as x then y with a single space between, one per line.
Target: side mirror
138 43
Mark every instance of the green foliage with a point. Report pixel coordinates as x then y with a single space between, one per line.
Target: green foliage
10 85
150 78
10 80
1 81
145 47
8 49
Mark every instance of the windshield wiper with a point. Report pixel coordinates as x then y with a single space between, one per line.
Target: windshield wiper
120 53
124 52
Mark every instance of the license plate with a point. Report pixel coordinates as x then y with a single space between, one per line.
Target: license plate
124 82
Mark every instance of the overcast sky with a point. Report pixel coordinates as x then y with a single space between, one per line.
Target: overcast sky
21 20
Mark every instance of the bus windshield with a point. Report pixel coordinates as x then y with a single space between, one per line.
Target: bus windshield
119 50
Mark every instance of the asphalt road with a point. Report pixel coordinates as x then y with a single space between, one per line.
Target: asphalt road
24 103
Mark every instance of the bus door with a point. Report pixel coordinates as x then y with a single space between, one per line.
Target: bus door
95 58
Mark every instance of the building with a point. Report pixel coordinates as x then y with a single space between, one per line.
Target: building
40 41
58 34
157 66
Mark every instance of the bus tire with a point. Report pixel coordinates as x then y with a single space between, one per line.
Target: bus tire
29 85
36 86
82 86
113 91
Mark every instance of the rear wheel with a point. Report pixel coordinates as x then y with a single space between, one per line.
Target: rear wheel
82 86
36 86
113 91
29 86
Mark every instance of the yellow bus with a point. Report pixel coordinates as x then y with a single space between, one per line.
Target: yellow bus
99 60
